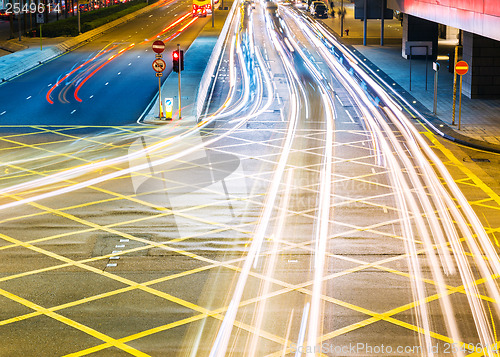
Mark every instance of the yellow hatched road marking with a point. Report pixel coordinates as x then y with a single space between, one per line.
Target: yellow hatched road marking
73 324
479 183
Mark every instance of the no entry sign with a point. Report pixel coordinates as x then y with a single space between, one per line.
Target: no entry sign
461 68
158 46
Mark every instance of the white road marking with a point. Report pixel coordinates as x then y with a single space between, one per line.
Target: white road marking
74 110
336 96
2 113
106 83
350 117
28 97
119 73
92 96
111 264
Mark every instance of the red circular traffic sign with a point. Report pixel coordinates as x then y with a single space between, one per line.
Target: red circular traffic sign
158 46
159 65
461 68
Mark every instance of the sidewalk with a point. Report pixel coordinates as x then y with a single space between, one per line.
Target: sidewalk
480 125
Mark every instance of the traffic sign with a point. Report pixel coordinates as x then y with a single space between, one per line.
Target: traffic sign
169 104
159 74
461 68
40 19
159 65
158 46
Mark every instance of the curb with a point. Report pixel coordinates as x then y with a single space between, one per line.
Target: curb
445 130
29 61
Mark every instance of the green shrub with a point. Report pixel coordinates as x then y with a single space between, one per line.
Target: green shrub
90 20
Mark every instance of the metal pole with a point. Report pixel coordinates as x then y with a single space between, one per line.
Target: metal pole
454 86
426 55
460 105
411 47
159 97
40 37
213 20
342 18
78 10
365 11
435 91
382 23
19 20
179 77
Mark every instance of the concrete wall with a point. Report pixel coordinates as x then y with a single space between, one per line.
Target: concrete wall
417 29
481 17
483 56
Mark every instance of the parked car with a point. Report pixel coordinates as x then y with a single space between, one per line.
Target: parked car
319 9
3 14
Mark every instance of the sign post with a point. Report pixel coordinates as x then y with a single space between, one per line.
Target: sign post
455 60
461 68
159 66
435 67
40 20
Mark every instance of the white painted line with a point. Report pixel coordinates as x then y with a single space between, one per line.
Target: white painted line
336 96
123 240
92 96
49 85
28 97
120 246
2 113
111 264
74 110
281 115
116 251
278 98
114 258
106 83
350 117
119 73
129 64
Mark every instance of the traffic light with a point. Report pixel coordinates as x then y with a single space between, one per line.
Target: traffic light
175 61
178 60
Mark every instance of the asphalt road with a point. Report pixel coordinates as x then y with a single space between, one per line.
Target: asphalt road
119 90
297 216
